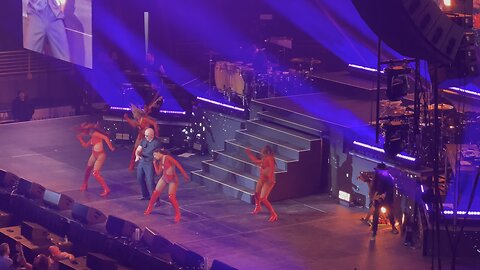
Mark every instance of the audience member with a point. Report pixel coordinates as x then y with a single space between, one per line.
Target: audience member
22 108
6 263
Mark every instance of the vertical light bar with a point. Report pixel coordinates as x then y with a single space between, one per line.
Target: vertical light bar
145 29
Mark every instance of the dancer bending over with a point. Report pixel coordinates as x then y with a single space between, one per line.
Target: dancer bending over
98 156
165 163
266 182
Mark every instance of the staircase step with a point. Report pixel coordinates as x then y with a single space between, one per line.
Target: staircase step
227 174
259 140
281 133
237 149
279 119
241 146
242 162
230 189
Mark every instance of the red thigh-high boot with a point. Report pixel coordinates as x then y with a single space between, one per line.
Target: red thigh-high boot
258 207
173 200
100 180
88 171
273 215
151 203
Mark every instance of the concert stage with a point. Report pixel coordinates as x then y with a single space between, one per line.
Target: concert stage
313 232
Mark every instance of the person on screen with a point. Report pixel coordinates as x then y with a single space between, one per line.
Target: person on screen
45 23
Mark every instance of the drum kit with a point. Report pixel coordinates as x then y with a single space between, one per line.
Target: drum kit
398 121
241 80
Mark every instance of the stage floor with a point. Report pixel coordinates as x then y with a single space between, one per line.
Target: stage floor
313 232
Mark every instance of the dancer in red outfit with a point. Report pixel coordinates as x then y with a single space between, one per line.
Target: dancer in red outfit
266 182
166 163
140 121
98 156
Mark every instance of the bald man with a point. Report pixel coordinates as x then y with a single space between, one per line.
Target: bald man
144 158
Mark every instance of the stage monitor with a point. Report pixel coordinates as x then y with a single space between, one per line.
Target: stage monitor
59 28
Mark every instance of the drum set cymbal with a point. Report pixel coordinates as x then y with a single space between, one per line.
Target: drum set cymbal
431 107
441 107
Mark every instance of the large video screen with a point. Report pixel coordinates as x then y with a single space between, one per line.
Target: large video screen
59 28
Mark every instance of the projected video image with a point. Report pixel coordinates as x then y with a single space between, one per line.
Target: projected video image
59 28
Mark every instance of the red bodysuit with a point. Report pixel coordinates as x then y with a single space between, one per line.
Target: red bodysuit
267 168
168 166
169 174
94 140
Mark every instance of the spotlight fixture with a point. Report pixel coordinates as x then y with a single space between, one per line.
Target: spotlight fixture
397 81
394 138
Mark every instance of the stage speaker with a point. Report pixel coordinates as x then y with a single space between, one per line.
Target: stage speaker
120 227
97 261
155 242
57 200
414 28
185 258
30 189
146 261
218 265
35 233
52 220
87 215
7 179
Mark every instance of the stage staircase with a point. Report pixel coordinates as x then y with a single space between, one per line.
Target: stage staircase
298 147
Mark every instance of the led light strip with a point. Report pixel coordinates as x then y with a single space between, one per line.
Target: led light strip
172 112
470 213
364 68
383 151
221 104
466 91
161 111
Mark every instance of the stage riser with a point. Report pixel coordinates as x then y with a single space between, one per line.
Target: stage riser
277 118
229 191
245 139
228 176
239 152
277 135
299 151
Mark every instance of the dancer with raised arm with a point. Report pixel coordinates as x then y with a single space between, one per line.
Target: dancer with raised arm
266 182
98 156
140 121
165 163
